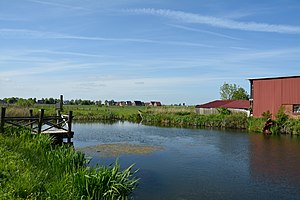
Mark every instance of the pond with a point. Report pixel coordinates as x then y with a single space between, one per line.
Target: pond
177 163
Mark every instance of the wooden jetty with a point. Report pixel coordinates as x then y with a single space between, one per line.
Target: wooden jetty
59 126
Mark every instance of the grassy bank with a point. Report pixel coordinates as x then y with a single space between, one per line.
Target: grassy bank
32 168
174 116
187 119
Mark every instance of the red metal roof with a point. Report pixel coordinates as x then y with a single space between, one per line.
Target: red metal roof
235 104
278 77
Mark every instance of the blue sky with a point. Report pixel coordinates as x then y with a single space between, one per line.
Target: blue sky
166 50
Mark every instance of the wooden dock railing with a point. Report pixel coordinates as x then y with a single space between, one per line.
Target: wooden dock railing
59 126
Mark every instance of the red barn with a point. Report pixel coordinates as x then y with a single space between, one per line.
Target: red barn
269 94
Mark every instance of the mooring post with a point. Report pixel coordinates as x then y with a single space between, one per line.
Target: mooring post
70 126
41 118
31 116
3 110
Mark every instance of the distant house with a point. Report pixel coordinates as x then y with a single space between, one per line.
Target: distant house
148 104
110 103
155 103
232 105
121 103
128 103
66 102
138 103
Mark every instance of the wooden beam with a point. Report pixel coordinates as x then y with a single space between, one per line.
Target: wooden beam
3 110
61 102
70 126
40 124
31 116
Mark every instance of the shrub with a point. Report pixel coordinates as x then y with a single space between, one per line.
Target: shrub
224 111
266 115
281 119
255 124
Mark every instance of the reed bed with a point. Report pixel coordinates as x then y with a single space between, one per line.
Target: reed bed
31 167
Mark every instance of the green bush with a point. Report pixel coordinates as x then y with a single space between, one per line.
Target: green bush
224 111
255 124
266 115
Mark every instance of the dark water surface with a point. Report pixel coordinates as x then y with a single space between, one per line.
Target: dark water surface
201 164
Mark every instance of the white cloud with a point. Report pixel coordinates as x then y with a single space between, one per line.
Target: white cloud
32 34
218 22
42 69
203 31
60 5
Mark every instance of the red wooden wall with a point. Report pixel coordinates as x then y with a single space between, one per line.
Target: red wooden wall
270 94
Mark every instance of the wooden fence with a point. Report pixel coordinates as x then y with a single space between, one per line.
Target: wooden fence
210 111
59 126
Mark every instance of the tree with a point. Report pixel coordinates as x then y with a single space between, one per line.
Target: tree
233 92
25 102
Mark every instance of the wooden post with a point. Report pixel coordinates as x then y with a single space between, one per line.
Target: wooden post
58 114
41 120
70 126
61 102
3 109
31 116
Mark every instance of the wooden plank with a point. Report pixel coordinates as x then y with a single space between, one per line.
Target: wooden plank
60 134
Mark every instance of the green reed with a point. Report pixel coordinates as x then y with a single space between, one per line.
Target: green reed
31 167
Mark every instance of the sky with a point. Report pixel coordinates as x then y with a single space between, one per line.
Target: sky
173 51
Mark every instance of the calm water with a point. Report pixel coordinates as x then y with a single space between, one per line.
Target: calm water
202 164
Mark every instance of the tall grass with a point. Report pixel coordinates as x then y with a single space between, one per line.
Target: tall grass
176 116
189 119
32 168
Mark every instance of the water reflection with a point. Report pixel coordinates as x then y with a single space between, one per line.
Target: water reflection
275 159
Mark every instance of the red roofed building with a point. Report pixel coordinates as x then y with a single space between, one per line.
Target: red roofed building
233 105
155 103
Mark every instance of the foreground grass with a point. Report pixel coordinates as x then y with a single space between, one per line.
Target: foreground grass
32 168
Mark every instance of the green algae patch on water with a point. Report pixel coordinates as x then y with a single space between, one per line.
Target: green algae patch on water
117 149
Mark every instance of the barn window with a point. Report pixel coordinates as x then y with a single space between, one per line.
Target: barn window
296 108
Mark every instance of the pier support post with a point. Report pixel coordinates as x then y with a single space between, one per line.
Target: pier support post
31 116
41 117
70 126
61 102
3 110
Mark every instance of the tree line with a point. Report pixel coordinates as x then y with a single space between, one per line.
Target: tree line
227 92
31 101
